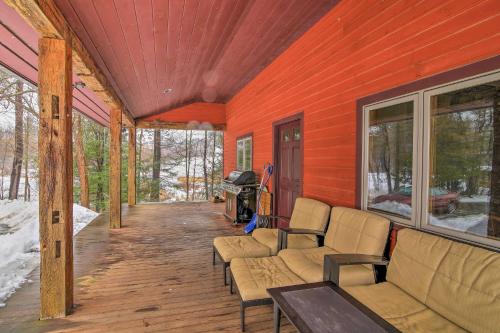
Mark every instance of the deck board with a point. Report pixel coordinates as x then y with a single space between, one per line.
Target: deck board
153 275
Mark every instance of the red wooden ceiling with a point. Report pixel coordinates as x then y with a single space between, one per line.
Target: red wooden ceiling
19 53
205 50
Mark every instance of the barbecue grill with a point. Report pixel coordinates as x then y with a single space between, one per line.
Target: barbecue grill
240 188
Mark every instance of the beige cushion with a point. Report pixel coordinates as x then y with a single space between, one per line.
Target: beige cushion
357 231
230 247
308 265
400 309
254 275
458 281
269 237
309 214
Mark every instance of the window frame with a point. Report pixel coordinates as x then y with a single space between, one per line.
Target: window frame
421 158
411 221
244 139
427 94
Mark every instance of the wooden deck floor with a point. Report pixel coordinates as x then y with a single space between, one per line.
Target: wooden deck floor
153 275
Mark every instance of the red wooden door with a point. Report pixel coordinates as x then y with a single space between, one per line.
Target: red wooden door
289 167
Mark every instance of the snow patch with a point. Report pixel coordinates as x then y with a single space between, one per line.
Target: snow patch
459 223
19 241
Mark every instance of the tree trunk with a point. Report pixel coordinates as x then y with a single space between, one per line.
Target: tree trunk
212 175
494 216
81 163
4 155
193 183
99 169
397 153
205 173
155 190
188 140
17 162
387 160
139 165
27 194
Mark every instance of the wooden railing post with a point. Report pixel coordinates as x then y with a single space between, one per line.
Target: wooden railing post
115 129
56 177
131 166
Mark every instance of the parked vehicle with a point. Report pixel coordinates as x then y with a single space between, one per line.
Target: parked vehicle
442 200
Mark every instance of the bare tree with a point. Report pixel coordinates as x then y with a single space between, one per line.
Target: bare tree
17 162
212 173
155 190
139 159
27 192
188 141
205 173
3 138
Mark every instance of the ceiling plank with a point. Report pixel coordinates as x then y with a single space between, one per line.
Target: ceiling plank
46 18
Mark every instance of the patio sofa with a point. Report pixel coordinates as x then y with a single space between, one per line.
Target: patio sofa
436 285
349 231
308 214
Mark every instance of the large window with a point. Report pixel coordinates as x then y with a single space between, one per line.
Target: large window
389 157
432 159
244 153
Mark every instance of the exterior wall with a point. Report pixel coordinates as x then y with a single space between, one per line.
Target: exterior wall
359 48
211 113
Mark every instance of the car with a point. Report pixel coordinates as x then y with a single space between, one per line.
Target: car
442 200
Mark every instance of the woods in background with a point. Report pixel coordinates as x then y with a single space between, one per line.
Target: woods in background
178 165
172 165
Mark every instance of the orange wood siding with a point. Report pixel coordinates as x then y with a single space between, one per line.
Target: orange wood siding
212 113
359 48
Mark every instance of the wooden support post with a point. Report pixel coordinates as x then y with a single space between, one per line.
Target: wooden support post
56 177
115 129
131 166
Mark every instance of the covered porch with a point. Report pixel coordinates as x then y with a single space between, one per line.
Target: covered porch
154 274
330 92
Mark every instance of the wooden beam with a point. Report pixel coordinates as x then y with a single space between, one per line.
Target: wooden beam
47 19
56 178
115 125
131 166
159 124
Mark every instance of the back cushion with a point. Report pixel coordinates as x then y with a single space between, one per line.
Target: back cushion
460 282
309 214
357 231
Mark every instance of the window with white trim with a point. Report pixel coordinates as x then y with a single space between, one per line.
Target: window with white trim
432 159
244 153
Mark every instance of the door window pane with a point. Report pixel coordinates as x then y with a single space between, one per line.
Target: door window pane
390 158
296 134
464 170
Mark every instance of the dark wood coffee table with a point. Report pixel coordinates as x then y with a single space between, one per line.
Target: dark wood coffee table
324 308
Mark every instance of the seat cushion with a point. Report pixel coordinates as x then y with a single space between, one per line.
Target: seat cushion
230 247
308 265
254 275
310 214
459 281
400 309
269 237
357 231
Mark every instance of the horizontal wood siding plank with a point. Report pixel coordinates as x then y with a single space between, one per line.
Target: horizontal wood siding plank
359 48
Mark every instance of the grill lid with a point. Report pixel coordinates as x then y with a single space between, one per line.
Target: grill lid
241 177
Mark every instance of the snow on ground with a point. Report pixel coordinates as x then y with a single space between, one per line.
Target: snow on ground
19 242
461 223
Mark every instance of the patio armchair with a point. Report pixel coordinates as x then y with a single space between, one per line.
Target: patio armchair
350 231
309 215
436 285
